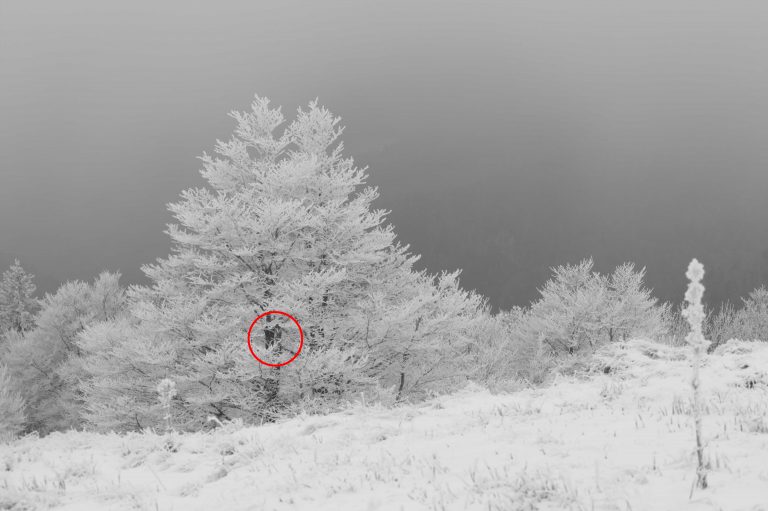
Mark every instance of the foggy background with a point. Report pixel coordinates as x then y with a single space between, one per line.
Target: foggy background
506 137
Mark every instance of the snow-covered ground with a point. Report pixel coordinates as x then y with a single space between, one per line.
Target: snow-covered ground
619 439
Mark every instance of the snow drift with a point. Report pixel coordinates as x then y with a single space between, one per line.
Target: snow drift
616 436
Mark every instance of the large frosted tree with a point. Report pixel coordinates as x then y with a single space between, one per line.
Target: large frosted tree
286 223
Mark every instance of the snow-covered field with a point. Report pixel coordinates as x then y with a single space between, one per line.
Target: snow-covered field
618 439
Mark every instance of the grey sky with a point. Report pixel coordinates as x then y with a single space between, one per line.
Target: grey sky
506 137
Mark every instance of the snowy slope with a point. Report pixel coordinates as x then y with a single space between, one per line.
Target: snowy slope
620 438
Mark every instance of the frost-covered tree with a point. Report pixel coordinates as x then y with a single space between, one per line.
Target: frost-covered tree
571 312
11 406
286 223
752 318
633 308
17 302
749 322
507 354
580 308
44 361
425 336
722 325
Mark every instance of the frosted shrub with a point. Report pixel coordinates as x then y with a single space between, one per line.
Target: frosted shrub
581 309
674 325
752 319
750 322
721 326
494 359
510 352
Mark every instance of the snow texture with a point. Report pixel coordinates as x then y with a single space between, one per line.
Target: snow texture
617 437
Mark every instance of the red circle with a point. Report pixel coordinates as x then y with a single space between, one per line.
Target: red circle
301 338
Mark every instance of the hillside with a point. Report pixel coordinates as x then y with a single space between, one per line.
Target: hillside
614 436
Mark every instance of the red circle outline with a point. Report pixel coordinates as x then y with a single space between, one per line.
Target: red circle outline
301 338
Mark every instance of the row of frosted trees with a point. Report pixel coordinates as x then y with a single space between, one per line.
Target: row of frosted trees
286 222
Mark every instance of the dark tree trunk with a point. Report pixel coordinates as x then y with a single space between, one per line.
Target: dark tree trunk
402 385
272 336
